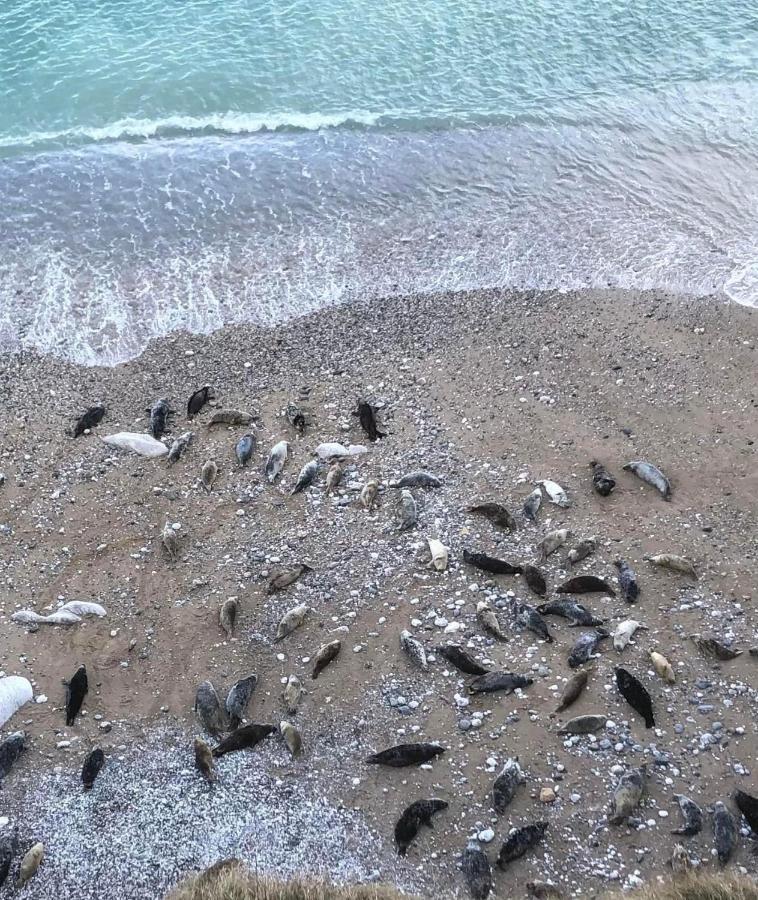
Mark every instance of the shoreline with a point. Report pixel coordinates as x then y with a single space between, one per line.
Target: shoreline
492 391
375 311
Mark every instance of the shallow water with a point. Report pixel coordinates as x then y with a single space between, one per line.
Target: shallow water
181 165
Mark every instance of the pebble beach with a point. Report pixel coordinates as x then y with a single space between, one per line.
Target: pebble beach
491 392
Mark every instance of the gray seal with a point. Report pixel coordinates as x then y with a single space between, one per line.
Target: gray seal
208 708
651 474
238 698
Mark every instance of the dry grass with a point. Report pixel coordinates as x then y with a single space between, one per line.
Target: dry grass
230 880
704 886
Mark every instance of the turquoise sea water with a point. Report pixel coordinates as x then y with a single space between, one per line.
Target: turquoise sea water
171 164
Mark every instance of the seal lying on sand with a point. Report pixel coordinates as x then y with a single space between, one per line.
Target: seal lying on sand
506 784
88 420
519 842
75 693
91 768
650 474
635 695
476 870
244 738
406 755
413 817
627 795
692 815
366 414
198 400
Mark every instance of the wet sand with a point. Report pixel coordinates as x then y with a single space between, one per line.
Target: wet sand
491 393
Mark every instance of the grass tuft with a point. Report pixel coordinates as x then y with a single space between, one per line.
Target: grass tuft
230 880
700 886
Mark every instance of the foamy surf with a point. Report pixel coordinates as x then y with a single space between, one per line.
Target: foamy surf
742 285
228 123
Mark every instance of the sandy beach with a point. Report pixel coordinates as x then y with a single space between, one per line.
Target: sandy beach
491 393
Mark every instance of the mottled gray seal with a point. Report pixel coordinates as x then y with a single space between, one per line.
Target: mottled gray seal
650 474
532 505
572 610
519 842
333 477
724 832
582 550
10 750
293 693
179 446
506 784
238 698
477 871
489 621
535 580
528 617
407 511
369 493
586 645
244 448
630 590
208 475
306 477
551 542
291 620
748 806
602 481
414 650
230 417
276 461
417 479
326 654
584 725
627 795
498 681
715 649
691 814
278 581
8 851
159 413
208 708
496 513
